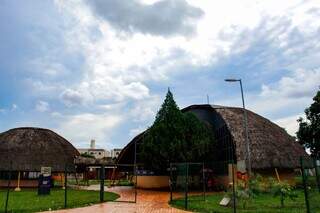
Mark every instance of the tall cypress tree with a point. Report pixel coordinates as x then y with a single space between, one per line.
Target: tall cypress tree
175 137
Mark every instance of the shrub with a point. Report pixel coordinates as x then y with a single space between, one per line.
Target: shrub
284 191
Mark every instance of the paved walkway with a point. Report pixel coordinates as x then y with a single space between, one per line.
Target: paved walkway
147 201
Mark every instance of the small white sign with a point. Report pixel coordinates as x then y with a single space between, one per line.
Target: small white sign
225 201
241 166
46 171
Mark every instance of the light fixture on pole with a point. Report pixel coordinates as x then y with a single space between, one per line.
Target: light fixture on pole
245 118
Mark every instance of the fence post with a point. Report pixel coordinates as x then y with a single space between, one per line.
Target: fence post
234 190
65 186
170 181
102 177
186 187
204 183
135 182
8 191
305 185
317 172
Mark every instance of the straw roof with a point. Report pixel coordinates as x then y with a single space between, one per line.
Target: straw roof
93 161
29 149
271 146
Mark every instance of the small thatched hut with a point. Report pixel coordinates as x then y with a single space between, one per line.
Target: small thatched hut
25 150
271 146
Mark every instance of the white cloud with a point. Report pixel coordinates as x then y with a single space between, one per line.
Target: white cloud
113 106
164 17
72 97
289 123
134 132
42 87
119 67
48 68
80 128
144 111
300 83
14 107
56 115
42 106
291 92
113 58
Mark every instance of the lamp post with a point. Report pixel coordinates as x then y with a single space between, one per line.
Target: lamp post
245 118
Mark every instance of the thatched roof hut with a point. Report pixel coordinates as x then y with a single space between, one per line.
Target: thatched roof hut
93 161
271 146
29 149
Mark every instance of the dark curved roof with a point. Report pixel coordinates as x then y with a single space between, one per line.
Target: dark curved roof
29 148
271 146
126 155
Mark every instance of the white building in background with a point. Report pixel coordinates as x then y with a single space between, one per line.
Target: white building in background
115 153
97 153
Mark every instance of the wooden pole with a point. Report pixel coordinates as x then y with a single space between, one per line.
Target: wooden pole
18 189
277 174
62 180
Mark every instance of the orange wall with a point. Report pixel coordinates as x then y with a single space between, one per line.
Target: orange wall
152 182
23 183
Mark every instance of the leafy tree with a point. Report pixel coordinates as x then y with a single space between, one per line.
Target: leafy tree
86 155
175 137
309 129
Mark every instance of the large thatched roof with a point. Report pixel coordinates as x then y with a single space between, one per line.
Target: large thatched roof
271 146
28 149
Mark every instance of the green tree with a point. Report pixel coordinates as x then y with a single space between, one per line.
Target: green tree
175 137
284 191
86 155
309 129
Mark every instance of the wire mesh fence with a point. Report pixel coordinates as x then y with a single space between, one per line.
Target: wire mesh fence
122 179
197 186
187 179
227 189
311 183
74 186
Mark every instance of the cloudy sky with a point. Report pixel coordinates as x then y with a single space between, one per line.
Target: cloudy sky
100 68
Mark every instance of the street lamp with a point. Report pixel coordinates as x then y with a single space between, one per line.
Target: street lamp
245 118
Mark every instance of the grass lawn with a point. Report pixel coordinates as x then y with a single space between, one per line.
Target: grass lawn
28 201
263 203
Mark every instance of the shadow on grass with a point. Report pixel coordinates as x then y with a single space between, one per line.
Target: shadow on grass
28 200
263 203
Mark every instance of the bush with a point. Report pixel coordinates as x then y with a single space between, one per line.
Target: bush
284 191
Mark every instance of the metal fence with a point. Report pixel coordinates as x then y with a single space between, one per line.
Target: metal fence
202 184
187 179
311 183
221 187
121 179
20 191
